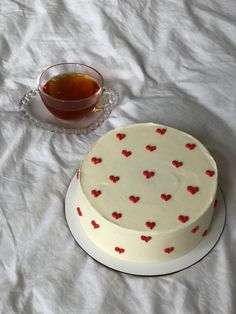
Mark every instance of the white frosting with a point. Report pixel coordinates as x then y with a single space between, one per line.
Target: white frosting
174 179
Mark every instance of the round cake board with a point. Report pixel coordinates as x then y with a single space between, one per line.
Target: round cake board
139 268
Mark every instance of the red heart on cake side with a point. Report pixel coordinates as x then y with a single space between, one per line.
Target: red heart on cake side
151 148
126 153
215 204
134 199
145 238
192 189
114 179
79 211
190 146
165 197
120 250
96 193
120 136
94 224
116 215
161 131
77 174
96 160
150 224
183 218
148 174
205 233
210 173
195 229
168 250
177 163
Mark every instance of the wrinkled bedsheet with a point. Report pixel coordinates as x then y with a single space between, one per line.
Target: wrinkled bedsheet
172 62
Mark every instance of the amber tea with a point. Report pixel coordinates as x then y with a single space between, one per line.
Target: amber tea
71 86
72 95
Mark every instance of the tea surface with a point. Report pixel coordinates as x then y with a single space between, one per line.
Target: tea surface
71 86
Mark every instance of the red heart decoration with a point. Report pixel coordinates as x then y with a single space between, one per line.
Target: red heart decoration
192 189
148 174
79 211
114 179
210 173
205 233
145 238
120 136
151 148
161 131
96 160
168 250
126 153
134 199
77 174
190 146
177 163
215 204
150 224
96 193
94 224
195 229
119 250
116 215
183 219
165 197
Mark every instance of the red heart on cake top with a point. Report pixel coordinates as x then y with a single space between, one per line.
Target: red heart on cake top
168 250
210 173
151 148
96 160
205 233
190 146
183 218
79 211
114 179
177 163
195 229
150 224
116 215
145 238
120 250
215 204
148 174
134 199
192 189
96 193
126 153
120 136
165 197
161 131
94 224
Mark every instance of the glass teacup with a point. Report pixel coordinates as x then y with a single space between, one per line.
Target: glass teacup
71 91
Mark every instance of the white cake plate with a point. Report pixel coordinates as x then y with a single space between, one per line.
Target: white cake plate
33 109
138 268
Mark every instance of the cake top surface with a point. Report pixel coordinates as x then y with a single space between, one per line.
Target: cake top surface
149 176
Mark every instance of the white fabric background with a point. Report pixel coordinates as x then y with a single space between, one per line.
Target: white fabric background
172 62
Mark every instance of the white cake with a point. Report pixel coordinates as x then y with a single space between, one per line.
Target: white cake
147 192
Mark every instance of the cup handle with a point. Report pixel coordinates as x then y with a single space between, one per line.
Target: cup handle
107 98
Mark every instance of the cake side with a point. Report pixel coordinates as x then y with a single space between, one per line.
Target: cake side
144 246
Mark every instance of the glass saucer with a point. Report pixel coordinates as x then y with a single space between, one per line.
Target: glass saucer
33 109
